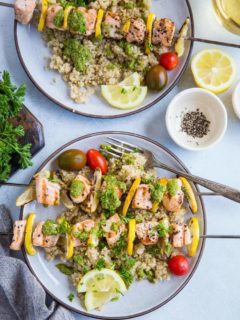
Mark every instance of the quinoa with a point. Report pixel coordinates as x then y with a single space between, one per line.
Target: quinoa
109 63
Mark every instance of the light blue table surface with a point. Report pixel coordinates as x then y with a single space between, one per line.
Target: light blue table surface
214 291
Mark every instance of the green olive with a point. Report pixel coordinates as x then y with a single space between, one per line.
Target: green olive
156 78
72 160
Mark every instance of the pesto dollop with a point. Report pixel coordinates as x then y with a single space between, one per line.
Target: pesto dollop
158 191
79 54
110 200
50 228
76 21
172 187
58 19
76 188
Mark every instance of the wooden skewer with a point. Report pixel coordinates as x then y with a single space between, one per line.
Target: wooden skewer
219 43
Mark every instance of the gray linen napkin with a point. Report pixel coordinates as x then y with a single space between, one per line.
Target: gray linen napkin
21 295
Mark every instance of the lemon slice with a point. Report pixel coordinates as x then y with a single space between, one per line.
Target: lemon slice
28 235
124 97
132 80
101 281
213 70
27 196
101 286
190 194
194 229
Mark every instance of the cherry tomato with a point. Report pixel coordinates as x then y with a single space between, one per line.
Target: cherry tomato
178 265
156 78
72 160
169 60
96 160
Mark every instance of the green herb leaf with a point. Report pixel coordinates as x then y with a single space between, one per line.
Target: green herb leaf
67 270
71 297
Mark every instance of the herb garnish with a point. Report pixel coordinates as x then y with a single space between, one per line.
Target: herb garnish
11 100
67 270
71 297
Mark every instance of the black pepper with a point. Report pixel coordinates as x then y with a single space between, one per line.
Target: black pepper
195 124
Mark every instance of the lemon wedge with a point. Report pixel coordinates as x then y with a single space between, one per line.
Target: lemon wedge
101 286
124 97
213 70
27 196
132 80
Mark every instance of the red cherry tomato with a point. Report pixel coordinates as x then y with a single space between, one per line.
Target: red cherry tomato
169 60
178 265
96 160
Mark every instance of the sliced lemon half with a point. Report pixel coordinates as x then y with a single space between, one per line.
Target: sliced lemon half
124 97
101 286
213 70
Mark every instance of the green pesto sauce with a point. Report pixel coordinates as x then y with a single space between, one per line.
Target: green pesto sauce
172 187
158 191
76 188
76 21
79 54
58 19
50 228
110 200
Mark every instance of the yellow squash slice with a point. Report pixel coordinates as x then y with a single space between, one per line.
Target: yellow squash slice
43 15
149 26
194 229
131 236
67 11
98 30
130 195
28 235
163 182
190 194
126 26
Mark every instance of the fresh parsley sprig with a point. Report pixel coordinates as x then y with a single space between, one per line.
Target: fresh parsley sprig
11 100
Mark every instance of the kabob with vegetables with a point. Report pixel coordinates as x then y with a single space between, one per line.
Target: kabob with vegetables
118 222
119 39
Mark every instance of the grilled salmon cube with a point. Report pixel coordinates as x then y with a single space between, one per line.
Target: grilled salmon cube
113 228
90 16
163 32
51 14
24 10
41 240
48 193
136 31
18 234
147 232
142 198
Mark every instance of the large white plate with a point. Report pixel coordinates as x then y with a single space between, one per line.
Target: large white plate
142 296
32 52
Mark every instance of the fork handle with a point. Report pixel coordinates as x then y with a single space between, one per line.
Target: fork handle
219 188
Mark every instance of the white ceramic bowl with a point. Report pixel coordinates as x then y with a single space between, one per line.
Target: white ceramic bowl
236 100
209 104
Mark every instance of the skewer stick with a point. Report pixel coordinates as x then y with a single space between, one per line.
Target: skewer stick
204 236
219 43
13 184
9 5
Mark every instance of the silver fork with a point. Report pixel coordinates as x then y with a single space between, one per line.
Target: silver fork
118 147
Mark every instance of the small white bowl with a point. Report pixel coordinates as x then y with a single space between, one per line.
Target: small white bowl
236 100
207 103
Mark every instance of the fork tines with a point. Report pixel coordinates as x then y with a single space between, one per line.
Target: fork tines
118 147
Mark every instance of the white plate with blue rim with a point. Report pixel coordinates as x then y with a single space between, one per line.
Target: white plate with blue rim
32 52
142 297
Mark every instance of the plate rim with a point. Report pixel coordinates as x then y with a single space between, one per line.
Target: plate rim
159 145
155 101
